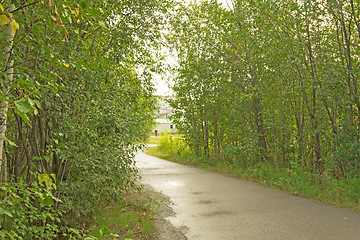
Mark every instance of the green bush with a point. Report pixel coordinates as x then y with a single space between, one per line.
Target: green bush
172 144
27 210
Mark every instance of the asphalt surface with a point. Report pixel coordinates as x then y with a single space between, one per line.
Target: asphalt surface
216 207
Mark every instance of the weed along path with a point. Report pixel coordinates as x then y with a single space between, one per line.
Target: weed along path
213 207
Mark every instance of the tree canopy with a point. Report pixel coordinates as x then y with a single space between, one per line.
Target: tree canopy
272 82
74 104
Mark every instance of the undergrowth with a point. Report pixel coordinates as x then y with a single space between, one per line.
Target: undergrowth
130 219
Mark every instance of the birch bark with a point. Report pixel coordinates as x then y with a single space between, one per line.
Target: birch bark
4 88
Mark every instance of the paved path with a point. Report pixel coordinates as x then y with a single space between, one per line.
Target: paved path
218 207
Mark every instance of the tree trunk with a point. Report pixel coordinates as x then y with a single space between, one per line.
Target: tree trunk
4 89
206 139
216 136
259 121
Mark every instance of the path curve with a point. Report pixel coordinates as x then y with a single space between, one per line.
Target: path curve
216 207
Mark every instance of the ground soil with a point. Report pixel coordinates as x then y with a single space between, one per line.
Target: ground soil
162 208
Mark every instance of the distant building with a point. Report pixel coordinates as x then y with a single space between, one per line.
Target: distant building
162 116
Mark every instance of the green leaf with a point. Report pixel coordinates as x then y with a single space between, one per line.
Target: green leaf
37 103
101 24
42 177
74 230
114 235
36 158
32 102
4 19
83 4
32 189
53 176
15 26
46 200
24 106
24 82
8 141
95 12
47 158
6 212
102 231
90 238
24 117
62 88
47 180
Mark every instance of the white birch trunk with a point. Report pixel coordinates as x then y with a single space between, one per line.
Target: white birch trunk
4 89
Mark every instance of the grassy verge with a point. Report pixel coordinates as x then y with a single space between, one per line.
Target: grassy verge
154 151
130 219
157 139
153 140
322 187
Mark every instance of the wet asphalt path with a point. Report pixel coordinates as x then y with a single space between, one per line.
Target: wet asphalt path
216 207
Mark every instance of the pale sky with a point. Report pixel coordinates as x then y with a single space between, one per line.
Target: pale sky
161 82
161 86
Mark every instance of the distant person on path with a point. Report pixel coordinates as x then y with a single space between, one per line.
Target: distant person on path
156 132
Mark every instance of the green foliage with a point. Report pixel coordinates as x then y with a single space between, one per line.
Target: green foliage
147 226
27 210
270 85
153 140
326 187
132 219
172 144
76 97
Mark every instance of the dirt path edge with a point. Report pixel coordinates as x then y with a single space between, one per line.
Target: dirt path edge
162 211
